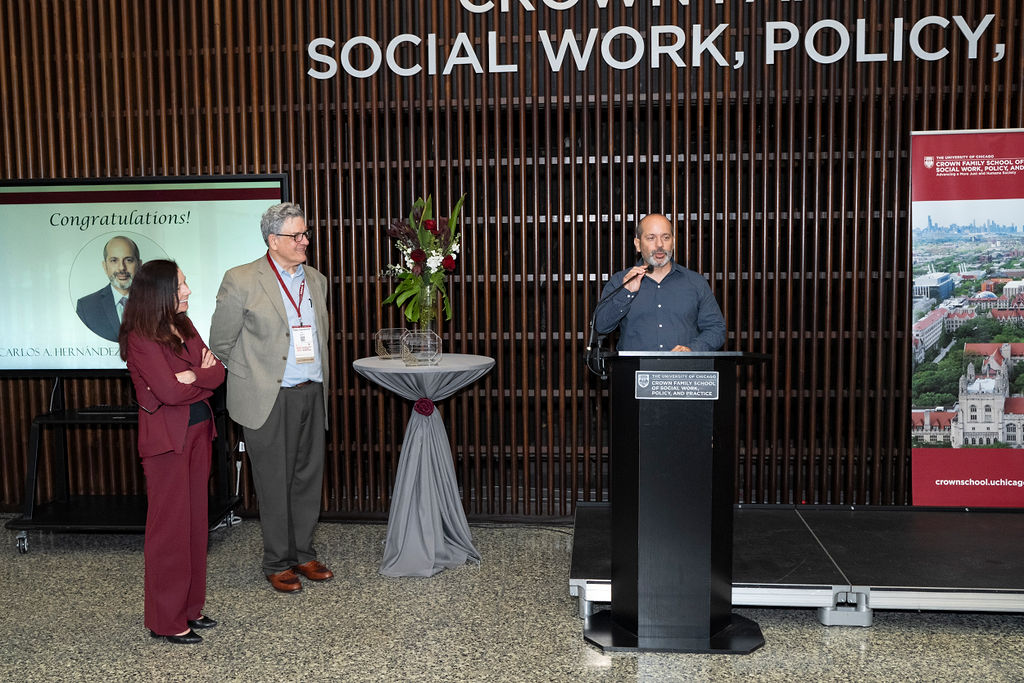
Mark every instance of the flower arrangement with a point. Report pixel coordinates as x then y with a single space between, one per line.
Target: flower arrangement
429 247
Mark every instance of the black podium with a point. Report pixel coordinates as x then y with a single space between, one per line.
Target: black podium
673 448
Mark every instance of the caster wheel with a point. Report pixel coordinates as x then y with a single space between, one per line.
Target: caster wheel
21 542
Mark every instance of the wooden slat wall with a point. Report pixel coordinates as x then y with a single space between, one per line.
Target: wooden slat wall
788 183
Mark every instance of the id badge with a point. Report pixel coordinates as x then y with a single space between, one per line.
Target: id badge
302 342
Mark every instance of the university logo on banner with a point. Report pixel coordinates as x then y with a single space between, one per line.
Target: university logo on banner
967 389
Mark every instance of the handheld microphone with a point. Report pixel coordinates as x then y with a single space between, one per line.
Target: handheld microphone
591 346
604 299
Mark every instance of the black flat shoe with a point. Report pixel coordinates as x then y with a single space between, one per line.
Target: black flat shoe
202 622
190 638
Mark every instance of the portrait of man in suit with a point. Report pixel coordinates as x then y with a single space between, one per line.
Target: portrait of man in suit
101 311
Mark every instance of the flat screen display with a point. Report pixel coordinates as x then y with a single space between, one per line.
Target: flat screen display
70 250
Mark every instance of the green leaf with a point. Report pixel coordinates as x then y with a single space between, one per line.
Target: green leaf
412 311
447 306
454 218
404 297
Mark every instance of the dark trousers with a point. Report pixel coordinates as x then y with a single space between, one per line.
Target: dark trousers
287 457
177 529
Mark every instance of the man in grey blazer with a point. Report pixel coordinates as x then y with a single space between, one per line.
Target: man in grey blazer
270 328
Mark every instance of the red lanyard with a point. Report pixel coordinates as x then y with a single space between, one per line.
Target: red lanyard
302 287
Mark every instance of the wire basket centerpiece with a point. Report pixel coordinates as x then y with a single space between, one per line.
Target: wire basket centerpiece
421 347
388 342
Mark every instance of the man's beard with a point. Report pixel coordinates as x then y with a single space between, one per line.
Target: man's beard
657 262
118 283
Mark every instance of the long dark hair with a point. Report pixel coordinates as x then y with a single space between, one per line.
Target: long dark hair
152 308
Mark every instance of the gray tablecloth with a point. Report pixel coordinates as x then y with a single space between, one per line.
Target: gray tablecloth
427 528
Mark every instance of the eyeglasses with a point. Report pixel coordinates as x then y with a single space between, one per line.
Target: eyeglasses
297 235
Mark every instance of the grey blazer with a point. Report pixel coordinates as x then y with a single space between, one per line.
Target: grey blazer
249 333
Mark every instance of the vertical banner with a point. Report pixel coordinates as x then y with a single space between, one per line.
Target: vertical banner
967 393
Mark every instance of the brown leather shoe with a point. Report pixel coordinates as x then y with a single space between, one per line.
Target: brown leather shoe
286 581
314 571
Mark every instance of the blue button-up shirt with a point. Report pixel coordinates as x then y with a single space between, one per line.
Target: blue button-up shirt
678 310
297 373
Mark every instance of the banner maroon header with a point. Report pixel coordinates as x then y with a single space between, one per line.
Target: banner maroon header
988 165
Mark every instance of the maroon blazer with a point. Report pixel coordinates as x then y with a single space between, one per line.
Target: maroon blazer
164 401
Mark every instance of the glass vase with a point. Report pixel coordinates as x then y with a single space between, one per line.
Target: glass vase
428 308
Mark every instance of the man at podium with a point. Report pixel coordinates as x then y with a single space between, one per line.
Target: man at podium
659 305
672 438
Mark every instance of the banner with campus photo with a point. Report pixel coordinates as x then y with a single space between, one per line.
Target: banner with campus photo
967 387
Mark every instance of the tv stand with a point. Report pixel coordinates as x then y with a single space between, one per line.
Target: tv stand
104 513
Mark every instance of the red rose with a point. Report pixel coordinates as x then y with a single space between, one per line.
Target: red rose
448 263
424 406
418 256
431 225
417 269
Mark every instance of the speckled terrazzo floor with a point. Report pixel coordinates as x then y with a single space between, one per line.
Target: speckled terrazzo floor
71 610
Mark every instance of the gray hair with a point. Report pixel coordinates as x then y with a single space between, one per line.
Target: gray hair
274 218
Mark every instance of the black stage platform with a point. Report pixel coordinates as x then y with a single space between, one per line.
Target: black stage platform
844 561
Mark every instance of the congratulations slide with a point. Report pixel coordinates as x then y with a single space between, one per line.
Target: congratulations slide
71 249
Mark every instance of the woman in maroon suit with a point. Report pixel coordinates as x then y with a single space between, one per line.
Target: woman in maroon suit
174 374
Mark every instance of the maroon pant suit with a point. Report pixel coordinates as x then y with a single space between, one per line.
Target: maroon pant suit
176 460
